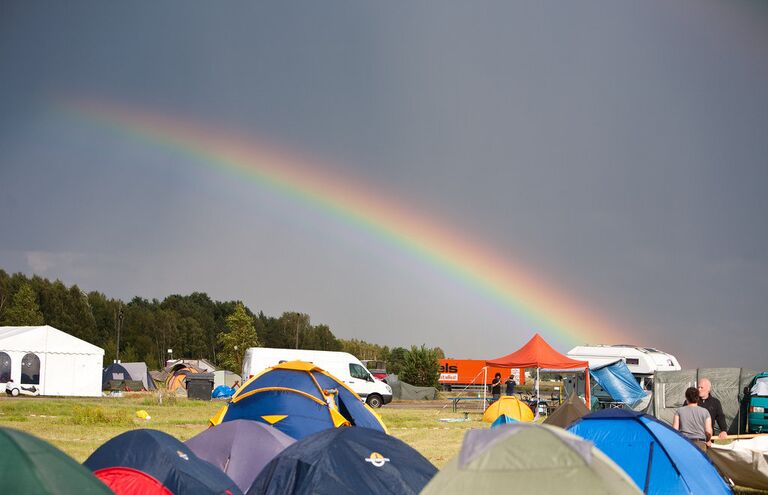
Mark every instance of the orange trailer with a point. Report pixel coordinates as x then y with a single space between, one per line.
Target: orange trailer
459 372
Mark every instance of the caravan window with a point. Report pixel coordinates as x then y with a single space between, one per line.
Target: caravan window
5 367
633 361
30 370
357 371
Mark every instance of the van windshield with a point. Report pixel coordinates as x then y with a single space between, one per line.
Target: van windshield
357 371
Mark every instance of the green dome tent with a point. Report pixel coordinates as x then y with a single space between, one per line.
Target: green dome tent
31 465
529 458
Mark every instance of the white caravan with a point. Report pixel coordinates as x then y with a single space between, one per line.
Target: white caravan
642 362
342 365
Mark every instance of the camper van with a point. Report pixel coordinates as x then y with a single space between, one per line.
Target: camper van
642 362
342 365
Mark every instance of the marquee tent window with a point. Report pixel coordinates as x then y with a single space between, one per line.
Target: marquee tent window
30 369
5 367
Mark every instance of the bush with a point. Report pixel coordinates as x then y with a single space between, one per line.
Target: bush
420 367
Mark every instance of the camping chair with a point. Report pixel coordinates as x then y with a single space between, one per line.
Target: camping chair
133 385
116 385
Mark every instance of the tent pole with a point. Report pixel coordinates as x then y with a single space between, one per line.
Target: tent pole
586 388
538 399
485 384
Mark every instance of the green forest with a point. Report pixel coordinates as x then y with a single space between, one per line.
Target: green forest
193 326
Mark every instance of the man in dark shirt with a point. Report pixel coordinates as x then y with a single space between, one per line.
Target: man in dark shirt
712 405
510 383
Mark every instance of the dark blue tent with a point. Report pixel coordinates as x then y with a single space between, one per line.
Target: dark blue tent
148 461
343 461
114 371
657 458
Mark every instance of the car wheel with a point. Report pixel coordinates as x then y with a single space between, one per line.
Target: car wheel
374 400
15 392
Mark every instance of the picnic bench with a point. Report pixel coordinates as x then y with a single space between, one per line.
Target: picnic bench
456 401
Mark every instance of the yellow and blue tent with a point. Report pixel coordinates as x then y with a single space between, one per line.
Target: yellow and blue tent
299 399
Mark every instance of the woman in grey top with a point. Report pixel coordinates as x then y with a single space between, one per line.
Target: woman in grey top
694 422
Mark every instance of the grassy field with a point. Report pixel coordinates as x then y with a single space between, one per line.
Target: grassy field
79 426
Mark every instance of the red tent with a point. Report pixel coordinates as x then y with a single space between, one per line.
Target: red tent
538 354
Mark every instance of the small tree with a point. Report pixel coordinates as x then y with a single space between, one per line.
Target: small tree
420 367
241 335
23 310
396 360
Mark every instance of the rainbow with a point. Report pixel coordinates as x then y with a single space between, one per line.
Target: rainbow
478 267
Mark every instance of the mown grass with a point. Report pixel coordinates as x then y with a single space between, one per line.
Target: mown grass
79 426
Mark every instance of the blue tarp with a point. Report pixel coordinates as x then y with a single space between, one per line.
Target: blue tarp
617 380
657 458
223 392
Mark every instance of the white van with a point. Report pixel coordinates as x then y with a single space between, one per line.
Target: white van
342 365
642 362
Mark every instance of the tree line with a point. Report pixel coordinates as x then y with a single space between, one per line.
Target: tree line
192 326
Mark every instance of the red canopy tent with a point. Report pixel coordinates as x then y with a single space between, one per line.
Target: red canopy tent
538 354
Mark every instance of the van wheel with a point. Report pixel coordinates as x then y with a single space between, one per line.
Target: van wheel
374 400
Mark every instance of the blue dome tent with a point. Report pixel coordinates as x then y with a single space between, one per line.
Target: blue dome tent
299 399
657 458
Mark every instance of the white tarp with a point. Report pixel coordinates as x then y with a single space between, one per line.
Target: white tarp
760 389
54 361
743 461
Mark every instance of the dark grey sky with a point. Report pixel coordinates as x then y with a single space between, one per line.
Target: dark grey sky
617 149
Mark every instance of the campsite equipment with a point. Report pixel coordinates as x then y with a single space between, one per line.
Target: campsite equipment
642 362
757 418
142 414
240 448
147 462
503 419
509 405
569 411
200 386
31 465
343 365
345 461
177 376
52 361
745 462
529 458
225 377
222 392
115 372
727 386
138 371
536 353
406 391
298 399
658 458
612 384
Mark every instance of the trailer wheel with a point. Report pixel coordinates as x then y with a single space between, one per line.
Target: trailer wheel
15 392
374 400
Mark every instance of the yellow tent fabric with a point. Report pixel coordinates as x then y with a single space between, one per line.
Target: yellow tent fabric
509 405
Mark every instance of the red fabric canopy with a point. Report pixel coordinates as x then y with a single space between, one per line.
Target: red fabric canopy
537 354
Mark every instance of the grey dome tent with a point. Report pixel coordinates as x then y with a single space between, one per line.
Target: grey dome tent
241 448
529 458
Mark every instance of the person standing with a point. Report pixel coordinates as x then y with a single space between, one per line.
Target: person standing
713 405
694 422
511 384
496 387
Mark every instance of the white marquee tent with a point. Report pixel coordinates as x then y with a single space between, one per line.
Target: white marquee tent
54 361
